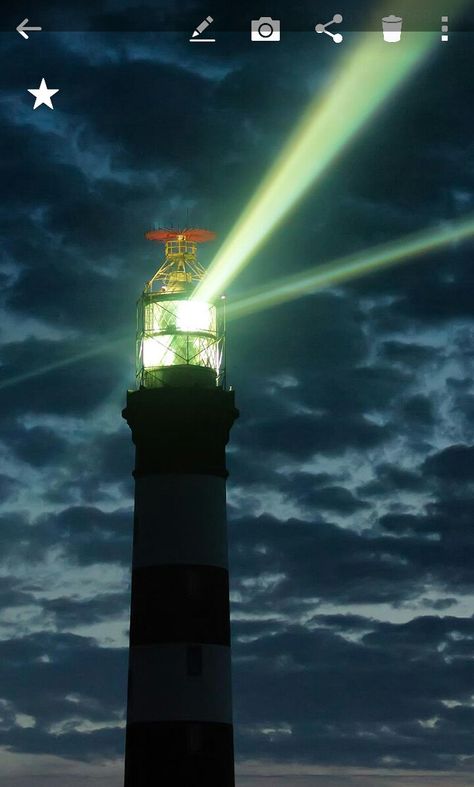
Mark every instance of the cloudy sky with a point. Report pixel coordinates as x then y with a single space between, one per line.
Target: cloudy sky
352 463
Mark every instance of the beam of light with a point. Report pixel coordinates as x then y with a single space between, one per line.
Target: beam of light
99 349
367 77
342 270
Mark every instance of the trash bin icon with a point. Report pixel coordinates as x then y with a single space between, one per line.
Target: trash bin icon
392 28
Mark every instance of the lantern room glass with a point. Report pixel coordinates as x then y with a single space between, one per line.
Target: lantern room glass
176 332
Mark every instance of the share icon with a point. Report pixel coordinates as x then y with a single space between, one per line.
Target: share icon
336 20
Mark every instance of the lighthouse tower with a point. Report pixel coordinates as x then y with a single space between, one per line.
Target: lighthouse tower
179 709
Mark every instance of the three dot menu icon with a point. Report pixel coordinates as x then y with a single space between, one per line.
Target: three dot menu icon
444 28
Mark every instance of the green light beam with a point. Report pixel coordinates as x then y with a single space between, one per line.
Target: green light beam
367 77
50 367
342 270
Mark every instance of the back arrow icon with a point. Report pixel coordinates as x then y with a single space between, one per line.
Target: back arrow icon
21 28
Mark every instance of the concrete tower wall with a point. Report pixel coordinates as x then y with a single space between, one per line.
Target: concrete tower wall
179 714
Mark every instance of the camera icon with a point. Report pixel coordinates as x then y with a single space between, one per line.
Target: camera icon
265 29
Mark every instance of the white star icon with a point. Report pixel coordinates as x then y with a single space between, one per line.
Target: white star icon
43 95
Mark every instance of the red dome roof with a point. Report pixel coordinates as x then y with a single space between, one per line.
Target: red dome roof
192 235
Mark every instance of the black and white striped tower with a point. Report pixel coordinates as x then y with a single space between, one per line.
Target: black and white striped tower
179 709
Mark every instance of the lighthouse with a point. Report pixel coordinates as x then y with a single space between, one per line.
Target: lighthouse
179 705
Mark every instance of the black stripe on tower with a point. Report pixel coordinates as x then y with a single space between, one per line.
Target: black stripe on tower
179 754
180 604
180 430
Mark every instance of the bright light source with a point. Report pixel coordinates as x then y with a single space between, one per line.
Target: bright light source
195 316
339 271
368 76
158 352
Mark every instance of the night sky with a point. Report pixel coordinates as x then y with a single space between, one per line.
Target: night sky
350 494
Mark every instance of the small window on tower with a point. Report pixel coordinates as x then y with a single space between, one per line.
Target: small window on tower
193 583
194 660
194 738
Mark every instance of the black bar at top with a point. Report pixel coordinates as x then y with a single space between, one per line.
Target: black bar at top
168 16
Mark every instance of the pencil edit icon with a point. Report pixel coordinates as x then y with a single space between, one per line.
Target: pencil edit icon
196 36
392 28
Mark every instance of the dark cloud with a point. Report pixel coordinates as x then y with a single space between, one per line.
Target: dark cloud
358 701
13 526
85 534
418 411
89 535
115 455
59 678
408 353
103 607
13 593
452 464
333 498
8 486
401 524
62 384
390 479
320 560
39 445
301 436
409 555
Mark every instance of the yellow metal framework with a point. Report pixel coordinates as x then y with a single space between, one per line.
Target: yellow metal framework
180 268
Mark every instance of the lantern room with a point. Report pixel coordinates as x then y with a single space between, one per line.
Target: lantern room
180 339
